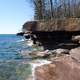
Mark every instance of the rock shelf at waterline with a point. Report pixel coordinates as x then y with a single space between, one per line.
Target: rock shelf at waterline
37 63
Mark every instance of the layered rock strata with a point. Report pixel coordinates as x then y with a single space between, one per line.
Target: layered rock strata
57 33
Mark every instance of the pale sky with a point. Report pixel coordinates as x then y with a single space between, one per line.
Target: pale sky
13 13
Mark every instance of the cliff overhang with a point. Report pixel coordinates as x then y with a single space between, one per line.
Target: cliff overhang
53 32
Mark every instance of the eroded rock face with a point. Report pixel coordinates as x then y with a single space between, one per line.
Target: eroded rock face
51 33
76 38
62 68
70 24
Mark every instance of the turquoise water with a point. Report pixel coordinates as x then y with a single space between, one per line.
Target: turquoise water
12 65
10 46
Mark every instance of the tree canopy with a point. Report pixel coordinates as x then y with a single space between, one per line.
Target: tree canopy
50 9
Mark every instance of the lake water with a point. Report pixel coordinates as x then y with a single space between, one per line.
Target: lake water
10 46
11 61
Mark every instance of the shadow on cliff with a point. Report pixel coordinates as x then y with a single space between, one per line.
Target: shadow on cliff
57 39
31 26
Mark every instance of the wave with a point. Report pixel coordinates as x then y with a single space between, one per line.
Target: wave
21 40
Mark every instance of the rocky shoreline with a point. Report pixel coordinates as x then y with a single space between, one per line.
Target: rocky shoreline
61 43
58 66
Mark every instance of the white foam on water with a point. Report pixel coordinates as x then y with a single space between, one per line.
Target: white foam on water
36 64
29 42
20 40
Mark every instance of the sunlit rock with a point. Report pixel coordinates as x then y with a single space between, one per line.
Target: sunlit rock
76 38
75 53
62 68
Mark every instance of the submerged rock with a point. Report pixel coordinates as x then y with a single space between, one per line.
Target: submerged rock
39 54
35 54
62 68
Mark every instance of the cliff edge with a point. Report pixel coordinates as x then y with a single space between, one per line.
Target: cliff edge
71 24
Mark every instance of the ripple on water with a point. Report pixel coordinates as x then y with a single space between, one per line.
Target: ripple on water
13 70
12 64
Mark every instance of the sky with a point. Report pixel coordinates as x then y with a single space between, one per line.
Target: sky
13 14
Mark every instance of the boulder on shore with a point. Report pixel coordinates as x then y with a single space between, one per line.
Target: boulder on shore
62 68
75 53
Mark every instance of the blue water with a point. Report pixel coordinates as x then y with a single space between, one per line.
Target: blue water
10 46
11 61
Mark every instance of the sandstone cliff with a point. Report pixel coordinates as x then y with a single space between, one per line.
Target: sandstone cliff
71 24
53 32
57 34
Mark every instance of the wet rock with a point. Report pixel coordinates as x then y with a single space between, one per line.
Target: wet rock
61 51
25 54
39 54
76 39
75 53
35 54
58 52
37 63
62 68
